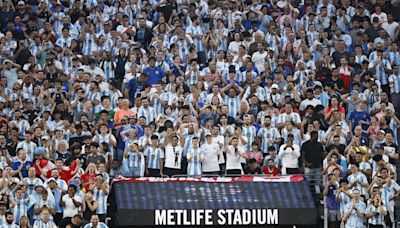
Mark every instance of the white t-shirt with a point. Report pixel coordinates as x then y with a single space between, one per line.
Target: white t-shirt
210 157
259 60
233 161
70 210
173 157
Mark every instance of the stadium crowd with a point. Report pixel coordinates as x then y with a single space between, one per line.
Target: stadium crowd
91 90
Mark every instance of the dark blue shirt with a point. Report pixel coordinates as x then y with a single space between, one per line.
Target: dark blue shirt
155 74
27 164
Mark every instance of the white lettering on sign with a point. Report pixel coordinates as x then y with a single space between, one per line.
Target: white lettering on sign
220 217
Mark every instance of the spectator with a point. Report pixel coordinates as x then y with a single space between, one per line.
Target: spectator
253 167
45 220
354 211
271 168
312 154
211 155
331 202
289 153
22 165
95 222
71 203
233 157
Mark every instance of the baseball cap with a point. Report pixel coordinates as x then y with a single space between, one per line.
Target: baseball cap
274 86
38 150
51 179
39 185
21 3
382 131
45 137
3 203
317 83
208 134
354 92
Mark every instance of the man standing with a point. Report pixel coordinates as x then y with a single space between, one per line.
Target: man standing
173 157
154 158
211 154
233 157
154 73
312 155
354 212
289 153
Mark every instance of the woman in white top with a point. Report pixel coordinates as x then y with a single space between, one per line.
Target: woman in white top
71 202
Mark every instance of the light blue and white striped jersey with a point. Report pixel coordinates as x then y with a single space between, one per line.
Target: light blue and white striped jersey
193 77
394 80
89 44
34 49
296 133
380 71
13 225
157 101
268 136
260 93
108 68
188 142
99 225
32 183
106 139
22 125
364 166
386 197
133 166
42 224
20 209
393 57
361 178
92 96
295 117
57 194
394 127
194 164
101 197
249 133
360 58
343 201
275 98
143 140
49 203
196 30
60 184
153 157
378 219
129 141
233 105
29 147
148 112
64 42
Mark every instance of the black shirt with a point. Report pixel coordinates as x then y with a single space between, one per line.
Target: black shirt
313 153
247 170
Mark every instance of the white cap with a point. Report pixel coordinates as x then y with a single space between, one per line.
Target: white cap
274 86
21 3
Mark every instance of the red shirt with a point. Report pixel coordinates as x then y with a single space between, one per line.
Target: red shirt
85 178
274 172
44 165
65 174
